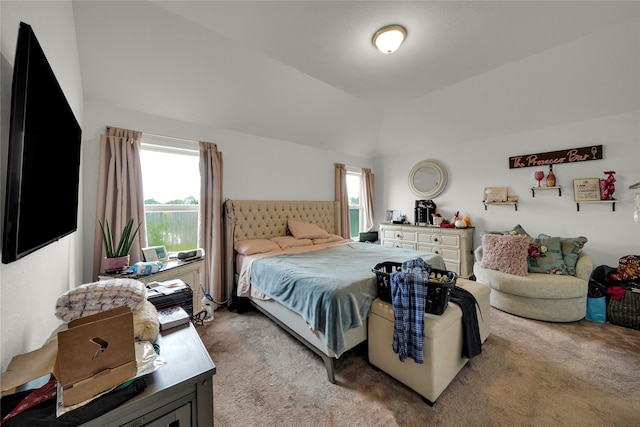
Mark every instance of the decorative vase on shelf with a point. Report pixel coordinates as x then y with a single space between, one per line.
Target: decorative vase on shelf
551 177
113 265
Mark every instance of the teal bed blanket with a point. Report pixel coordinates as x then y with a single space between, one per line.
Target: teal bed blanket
332 288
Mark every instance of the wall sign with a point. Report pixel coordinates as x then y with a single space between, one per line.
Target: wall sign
571 155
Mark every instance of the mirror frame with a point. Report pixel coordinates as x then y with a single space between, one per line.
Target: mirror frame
437 189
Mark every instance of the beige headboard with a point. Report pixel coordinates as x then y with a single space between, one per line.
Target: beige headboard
263 219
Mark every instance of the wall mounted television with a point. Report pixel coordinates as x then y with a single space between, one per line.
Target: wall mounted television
43 165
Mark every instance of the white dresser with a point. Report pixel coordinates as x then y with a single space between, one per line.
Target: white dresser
455 245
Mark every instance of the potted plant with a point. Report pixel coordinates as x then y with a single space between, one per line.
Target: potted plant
117 256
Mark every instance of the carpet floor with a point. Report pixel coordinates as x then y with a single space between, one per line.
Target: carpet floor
530 373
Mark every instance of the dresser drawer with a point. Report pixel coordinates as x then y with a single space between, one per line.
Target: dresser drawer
439 239
448 254
455 267
399 244
398 233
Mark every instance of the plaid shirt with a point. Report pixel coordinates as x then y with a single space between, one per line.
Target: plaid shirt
408 295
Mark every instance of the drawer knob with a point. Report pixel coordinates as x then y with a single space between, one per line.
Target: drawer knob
435 239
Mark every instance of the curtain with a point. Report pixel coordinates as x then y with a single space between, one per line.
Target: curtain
210 229
343 198
119 193
368 201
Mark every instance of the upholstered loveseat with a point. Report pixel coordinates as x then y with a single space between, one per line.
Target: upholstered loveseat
550 297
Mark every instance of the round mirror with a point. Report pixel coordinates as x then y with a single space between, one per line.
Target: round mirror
428 179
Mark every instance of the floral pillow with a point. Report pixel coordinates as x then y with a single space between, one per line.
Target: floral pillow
545 255
571 248
506 253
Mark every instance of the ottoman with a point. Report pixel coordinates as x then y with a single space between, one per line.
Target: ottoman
442 343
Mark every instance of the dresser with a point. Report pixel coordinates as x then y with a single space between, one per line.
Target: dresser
455 245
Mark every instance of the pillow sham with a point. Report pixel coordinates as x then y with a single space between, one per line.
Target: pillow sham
571 248
506 253
330 238
285 242
255 246
545 255
305 230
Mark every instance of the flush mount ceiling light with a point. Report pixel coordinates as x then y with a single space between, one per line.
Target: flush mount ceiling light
388 39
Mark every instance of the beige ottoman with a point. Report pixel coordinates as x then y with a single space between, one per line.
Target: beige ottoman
442 344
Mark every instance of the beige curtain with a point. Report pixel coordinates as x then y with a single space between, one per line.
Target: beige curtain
343 198
368 201
119 193
210 231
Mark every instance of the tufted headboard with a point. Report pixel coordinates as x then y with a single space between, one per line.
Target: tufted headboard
263 219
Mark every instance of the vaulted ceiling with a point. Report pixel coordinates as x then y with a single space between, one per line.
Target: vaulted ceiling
306 71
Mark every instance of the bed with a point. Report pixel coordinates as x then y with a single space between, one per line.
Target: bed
320 292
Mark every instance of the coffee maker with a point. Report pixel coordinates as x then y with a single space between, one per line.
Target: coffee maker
423 212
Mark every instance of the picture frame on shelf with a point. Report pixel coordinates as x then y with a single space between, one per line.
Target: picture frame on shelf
586 189
495 194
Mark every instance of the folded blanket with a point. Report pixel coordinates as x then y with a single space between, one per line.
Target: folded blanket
99 296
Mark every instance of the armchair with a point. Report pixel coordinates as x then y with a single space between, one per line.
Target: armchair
548 297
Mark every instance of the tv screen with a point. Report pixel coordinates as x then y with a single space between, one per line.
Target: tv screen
43 166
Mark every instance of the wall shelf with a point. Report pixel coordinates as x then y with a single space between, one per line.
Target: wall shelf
515 204
612 201
558 187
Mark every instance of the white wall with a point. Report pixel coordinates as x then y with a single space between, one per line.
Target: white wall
30 286
593 87
254 167
484 164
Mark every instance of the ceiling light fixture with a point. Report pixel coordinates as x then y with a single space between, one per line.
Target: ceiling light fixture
388 39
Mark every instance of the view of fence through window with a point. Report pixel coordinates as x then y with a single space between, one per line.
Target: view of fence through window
171 185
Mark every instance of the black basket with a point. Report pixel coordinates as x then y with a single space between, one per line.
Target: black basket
437 292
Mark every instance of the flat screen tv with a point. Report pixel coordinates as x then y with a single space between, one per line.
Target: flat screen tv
43 165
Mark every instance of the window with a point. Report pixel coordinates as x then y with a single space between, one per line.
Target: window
171 186
356 211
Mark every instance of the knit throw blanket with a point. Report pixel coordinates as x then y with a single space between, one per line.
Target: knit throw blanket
408 293
99 296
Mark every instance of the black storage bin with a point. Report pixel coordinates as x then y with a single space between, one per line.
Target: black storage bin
438 289
369 236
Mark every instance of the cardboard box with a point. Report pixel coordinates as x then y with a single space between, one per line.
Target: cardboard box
95 354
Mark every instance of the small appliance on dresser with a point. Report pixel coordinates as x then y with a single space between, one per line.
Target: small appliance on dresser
423 212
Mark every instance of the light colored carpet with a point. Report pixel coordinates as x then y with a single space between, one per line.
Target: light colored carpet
530 373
